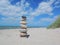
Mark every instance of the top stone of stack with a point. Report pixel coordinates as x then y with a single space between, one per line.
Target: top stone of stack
23 18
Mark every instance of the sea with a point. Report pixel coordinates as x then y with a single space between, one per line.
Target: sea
18 27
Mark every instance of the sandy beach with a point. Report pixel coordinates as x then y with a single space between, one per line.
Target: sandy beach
38 36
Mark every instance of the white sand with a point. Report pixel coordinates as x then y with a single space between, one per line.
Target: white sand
38 36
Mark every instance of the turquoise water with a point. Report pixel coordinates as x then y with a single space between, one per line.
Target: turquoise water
9 27
17 27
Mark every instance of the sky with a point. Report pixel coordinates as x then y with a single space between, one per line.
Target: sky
38 12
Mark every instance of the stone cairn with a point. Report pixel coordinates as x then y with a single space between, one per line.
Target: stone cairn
23 31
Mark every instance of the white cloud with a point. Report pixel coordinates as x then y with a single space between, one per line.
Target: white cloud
51 1
57 4
18 10
45 21
43 8
6 9
10 21
46 8
9 10
49 19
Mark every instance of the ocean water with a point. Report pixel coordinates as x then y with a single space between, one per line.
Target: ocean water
9 27
18 27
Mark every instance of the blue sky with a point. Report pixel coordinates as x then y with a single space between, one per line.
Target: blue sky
38 12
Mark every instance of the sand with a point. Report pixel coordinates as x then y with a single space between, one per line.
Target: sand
38 36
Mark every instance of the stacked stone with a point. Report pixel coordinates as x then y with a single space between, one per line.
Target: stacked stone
23 27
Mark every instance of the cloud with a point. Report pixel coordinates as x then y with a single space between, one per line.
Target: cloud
57 4
51 1
43 8
10 21
50 20
13 13
44 21
46 8
9 10
23 8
